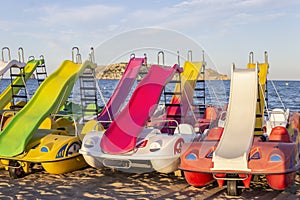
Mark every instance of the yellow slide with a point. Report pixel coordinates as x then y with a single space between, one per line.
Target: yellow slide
6 95
49 97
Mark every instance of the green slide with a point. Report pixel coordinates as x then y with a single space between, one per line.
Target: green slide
6 95
48 98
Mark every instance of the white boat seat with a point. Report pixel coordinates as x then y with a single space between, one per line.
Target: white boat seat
184 129
277 117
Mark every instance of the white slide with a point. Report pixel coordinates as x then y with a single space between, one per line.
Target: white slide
233 149
4 66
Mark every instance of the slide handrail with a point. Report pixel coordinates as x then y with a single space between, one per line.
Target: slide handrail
8 53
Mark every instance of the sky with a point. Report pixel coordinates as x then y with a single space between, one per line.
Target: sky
227 30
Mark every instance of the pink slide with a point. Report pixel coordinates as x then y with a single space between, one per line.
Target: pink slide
119 96
121 136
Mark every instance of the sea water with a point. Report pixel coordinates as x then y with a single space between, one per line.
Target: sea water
281 94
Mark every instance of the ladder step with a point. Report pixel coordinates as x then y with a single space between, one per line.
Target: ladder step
172 93
17 85
87 77
200 81
41 73
89 110
88 80
174 81
199 89
19 96
142 73
170 104
89 95
258 129
198 97
88 88
18 75
88 100
174 116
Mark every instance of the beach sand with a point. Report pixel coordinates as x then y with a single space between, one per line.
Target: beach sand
90 183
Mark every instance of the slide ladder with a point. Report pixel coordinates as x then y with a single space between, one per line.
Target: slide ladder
19 75
40 71
88 93
175 96
262 98
199 95
182 97
233 149
19 91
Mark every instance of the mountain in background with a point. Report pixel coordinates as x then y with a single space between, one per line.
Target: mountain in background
115 71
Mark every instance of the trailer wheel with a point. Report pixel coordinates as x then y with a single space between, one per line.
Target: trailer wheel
232 189
16 170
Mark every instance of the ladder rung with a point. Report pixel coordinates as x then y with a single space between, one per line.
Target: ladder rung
200 81
19 96
199 89
88 100
174 116
38 73
16 85
258 129
172 104
172 93
89 110
199 97
17 75
88 80
174 81
88 88
89 95
87 77
141 73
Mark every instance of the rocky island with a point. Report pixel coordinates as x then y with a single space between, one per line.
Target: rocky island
115 71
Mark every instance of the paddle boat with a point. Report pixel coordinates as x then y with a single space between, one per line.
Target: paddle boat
41 139
138 142
236 152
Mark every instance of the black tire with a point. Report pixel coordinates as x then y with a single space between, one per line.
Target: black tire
232 189
16 171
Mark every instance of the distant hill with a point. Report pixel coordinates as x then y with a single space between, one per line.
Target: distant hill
115 71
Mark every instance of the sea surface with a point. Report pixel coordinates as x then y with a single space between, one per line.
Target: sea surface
281 94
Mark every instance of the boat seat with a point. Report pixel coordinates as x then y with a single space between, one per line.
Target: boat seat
279 134
184 129
210 113
277 117
215 133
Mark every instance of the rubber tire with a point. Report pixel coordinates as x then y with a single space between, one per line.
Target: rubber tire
15 173
232 189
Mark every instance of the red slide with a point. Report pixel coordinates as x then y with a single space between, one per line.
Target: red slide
121 136
119 96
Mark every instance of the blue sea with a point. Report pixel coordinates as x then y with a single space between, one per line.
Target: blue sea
281 94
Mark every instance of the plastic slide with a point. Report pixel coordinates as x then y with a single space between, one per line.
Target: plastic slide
122 134
6 95
262 74
189 77
233 149
4 66
119 96
48 98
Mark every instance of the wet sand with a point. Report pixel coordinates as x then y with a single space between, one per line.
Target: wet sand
92 183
